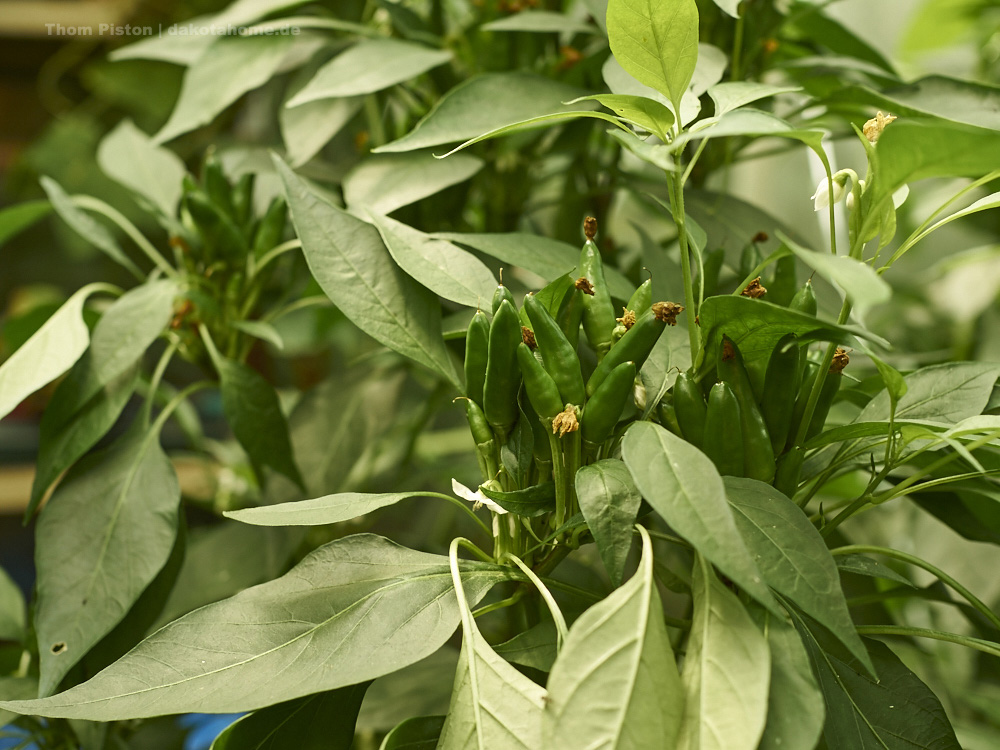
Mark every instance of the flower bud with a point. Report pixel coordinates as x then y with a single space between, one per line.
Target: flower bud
822 198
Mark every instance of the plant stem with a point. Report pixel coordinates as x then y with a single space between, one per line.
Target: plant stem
154 381
557 616
987 647
677 203
100 207
559 478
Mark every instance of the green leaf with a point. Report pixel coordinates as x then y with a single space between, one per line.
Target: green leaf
418 733
260 330
735 94
321 510
753 122
15 688
795 709
254 414
108 507
84 225
484 103
12 618
229 68
324 721
351 264
531 502
307 128
792 557
945 393
911 150
536 647
15 219
609 501
866 566
656 41
369 66
755 326
541 22
895 712
546 257
382 183
647 113
863 287
129 156
359 607
682 485
492 704
61 442
445 269
727 670
421 689
615 683
50 352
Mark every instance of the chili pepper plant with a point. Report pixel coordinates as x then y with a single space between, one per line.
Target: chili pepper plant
658 550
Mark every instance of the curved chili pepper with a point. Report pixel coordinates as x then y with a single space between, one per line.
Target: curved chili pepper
723 442
477 347
690 408
635 345
539 385
606 405
503 376
641 298
558 355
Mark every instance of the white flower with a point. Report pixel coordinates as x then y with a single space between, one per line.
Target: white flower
822 198
850 195
476 497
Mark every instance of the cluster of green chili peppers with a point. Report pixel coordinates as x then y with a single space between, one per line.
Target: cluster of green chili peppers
527 384
749 421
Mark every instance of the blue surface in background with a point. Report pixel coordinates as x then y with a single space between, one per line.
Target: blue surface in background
202 731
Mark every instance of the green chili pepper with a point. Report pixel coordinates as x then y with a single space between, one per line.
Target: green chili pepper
782 288
539 385
668 417
571 316
826 396
723 442
558 354
480 428
271 228
804 299
243 200
809 370
690 408
712 262
635 345
217 187
218 230
598 310
477 347
750 258
786 478
757 452
500 294
540 448
781 384
503 377
606 405
641 298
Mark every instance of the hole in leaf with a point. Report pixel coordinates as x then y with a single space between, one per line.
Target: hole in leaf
58 648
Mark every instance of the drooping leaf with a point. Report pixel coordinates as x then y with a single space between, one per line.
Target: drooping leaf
947 393
384 182
656 42
615 683
795 709
445 269
86 226
418 733
51 351
111 505
369 66
15 219
307 128
791 555
536 647
354 269
227 69
130 157
12 612
540 22
324 721
682 485
727 670
484 103
352 610
321 510
609 501
895 712
254 414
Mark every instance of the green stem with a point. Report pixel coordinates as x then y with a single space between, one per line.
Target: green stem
987 647
299 304
550 602
933 570
559 478
154 381
677 203
824 368
276 252
465 509
164 415
100 207
734 70
374 120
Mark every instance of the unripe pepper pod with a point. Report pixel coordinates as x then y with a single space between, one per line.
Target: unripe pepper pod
781 384
786 478
782 287
539 385
831 385
757 451
805 299
271 228
606 405
641 298
690 409
500 294
478 425
637 342
558 354
723 440
477 343
503 376
598 310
